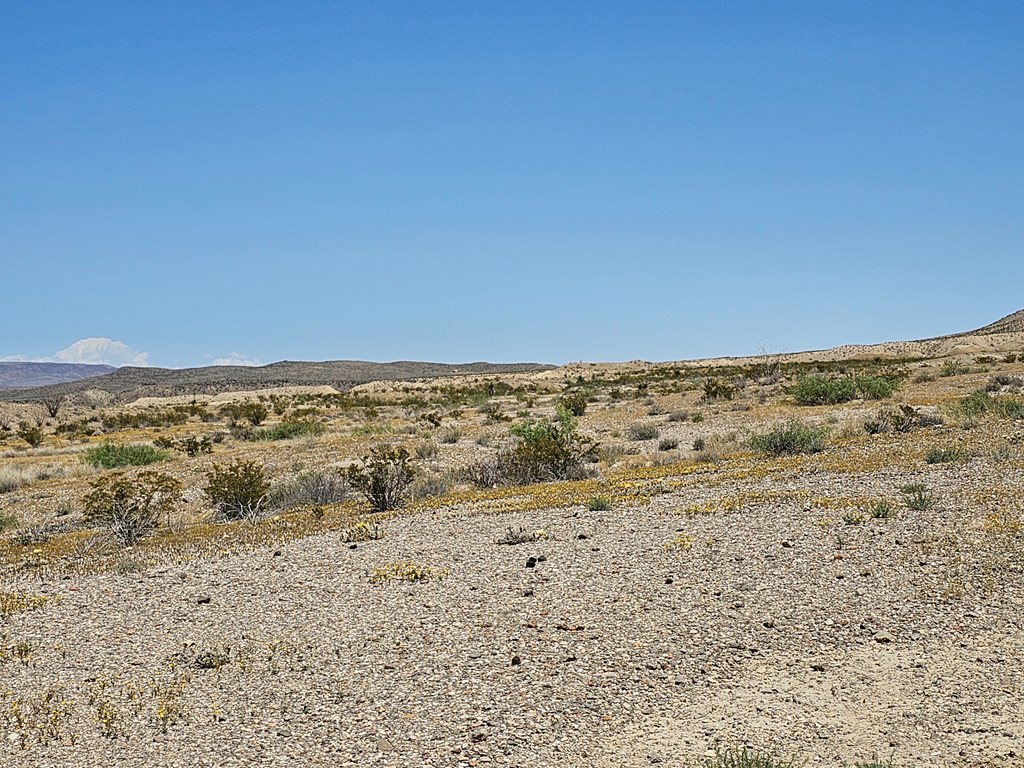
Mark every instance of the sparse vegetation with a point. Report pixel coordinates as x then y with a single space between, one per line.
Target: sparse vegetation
790 438
643 431
114 455
310 488
944 455
819 390
131 506
383 478
917 496
287 430
238 491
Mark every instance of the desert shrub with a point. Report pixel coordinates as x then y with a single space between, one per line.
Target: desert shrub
7 522
485 473
642 431
917 496
383 478
287 430
362 530
697 417
426 449
574 402
1001 380
876 387
113 455
668 444
130 506
430 484
252 411
521 535
982 403
882 510
818 390
546 451
790 438
449 436
700 443
716 389
599 504
238 491
492 411
903 419
190 446
308 488
33 435
679 416
944 455
953 368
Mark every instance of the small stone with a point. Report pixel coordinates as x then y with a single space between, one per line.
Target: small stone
277 553
531 562
668 580
383 745
527 592
787 544
284 733
203 599
883 637
516 661
818 667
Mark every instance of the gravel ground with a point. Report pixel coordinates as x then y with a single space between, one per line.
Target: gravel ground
766 625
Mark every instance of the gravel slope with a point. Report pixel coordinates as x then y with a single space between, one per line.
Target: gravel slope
774 628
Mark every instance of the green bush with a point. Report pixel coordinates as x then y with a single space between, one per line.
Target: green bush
790 438
130 506
574 402
31 435
112 455
917 496
716 389
287 430
545 451
944 455
383 478
668 444
876 387
238 491
599 504
252 411
819 390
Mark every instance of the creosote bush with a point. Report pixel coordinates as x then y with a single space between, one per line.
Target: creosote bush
113 455
130 506
574 402
238 491
819 390
32 435
286 430
790 438
546 451
383 478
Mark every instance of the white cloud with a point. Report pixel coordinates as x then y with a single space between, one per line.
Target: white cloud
95 350
237 358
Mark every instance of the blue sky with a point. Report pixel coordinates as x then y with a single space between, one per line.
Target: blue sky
504 181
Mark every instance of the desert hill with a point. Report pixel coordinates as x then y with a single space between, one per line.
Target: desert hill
47 374
126 384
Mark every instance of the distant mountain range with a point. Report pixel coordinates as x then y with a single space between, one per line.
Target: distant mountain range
128 383
46 374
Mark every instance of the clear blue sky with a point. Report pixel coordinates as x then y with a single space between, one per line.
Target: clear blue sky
546 181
